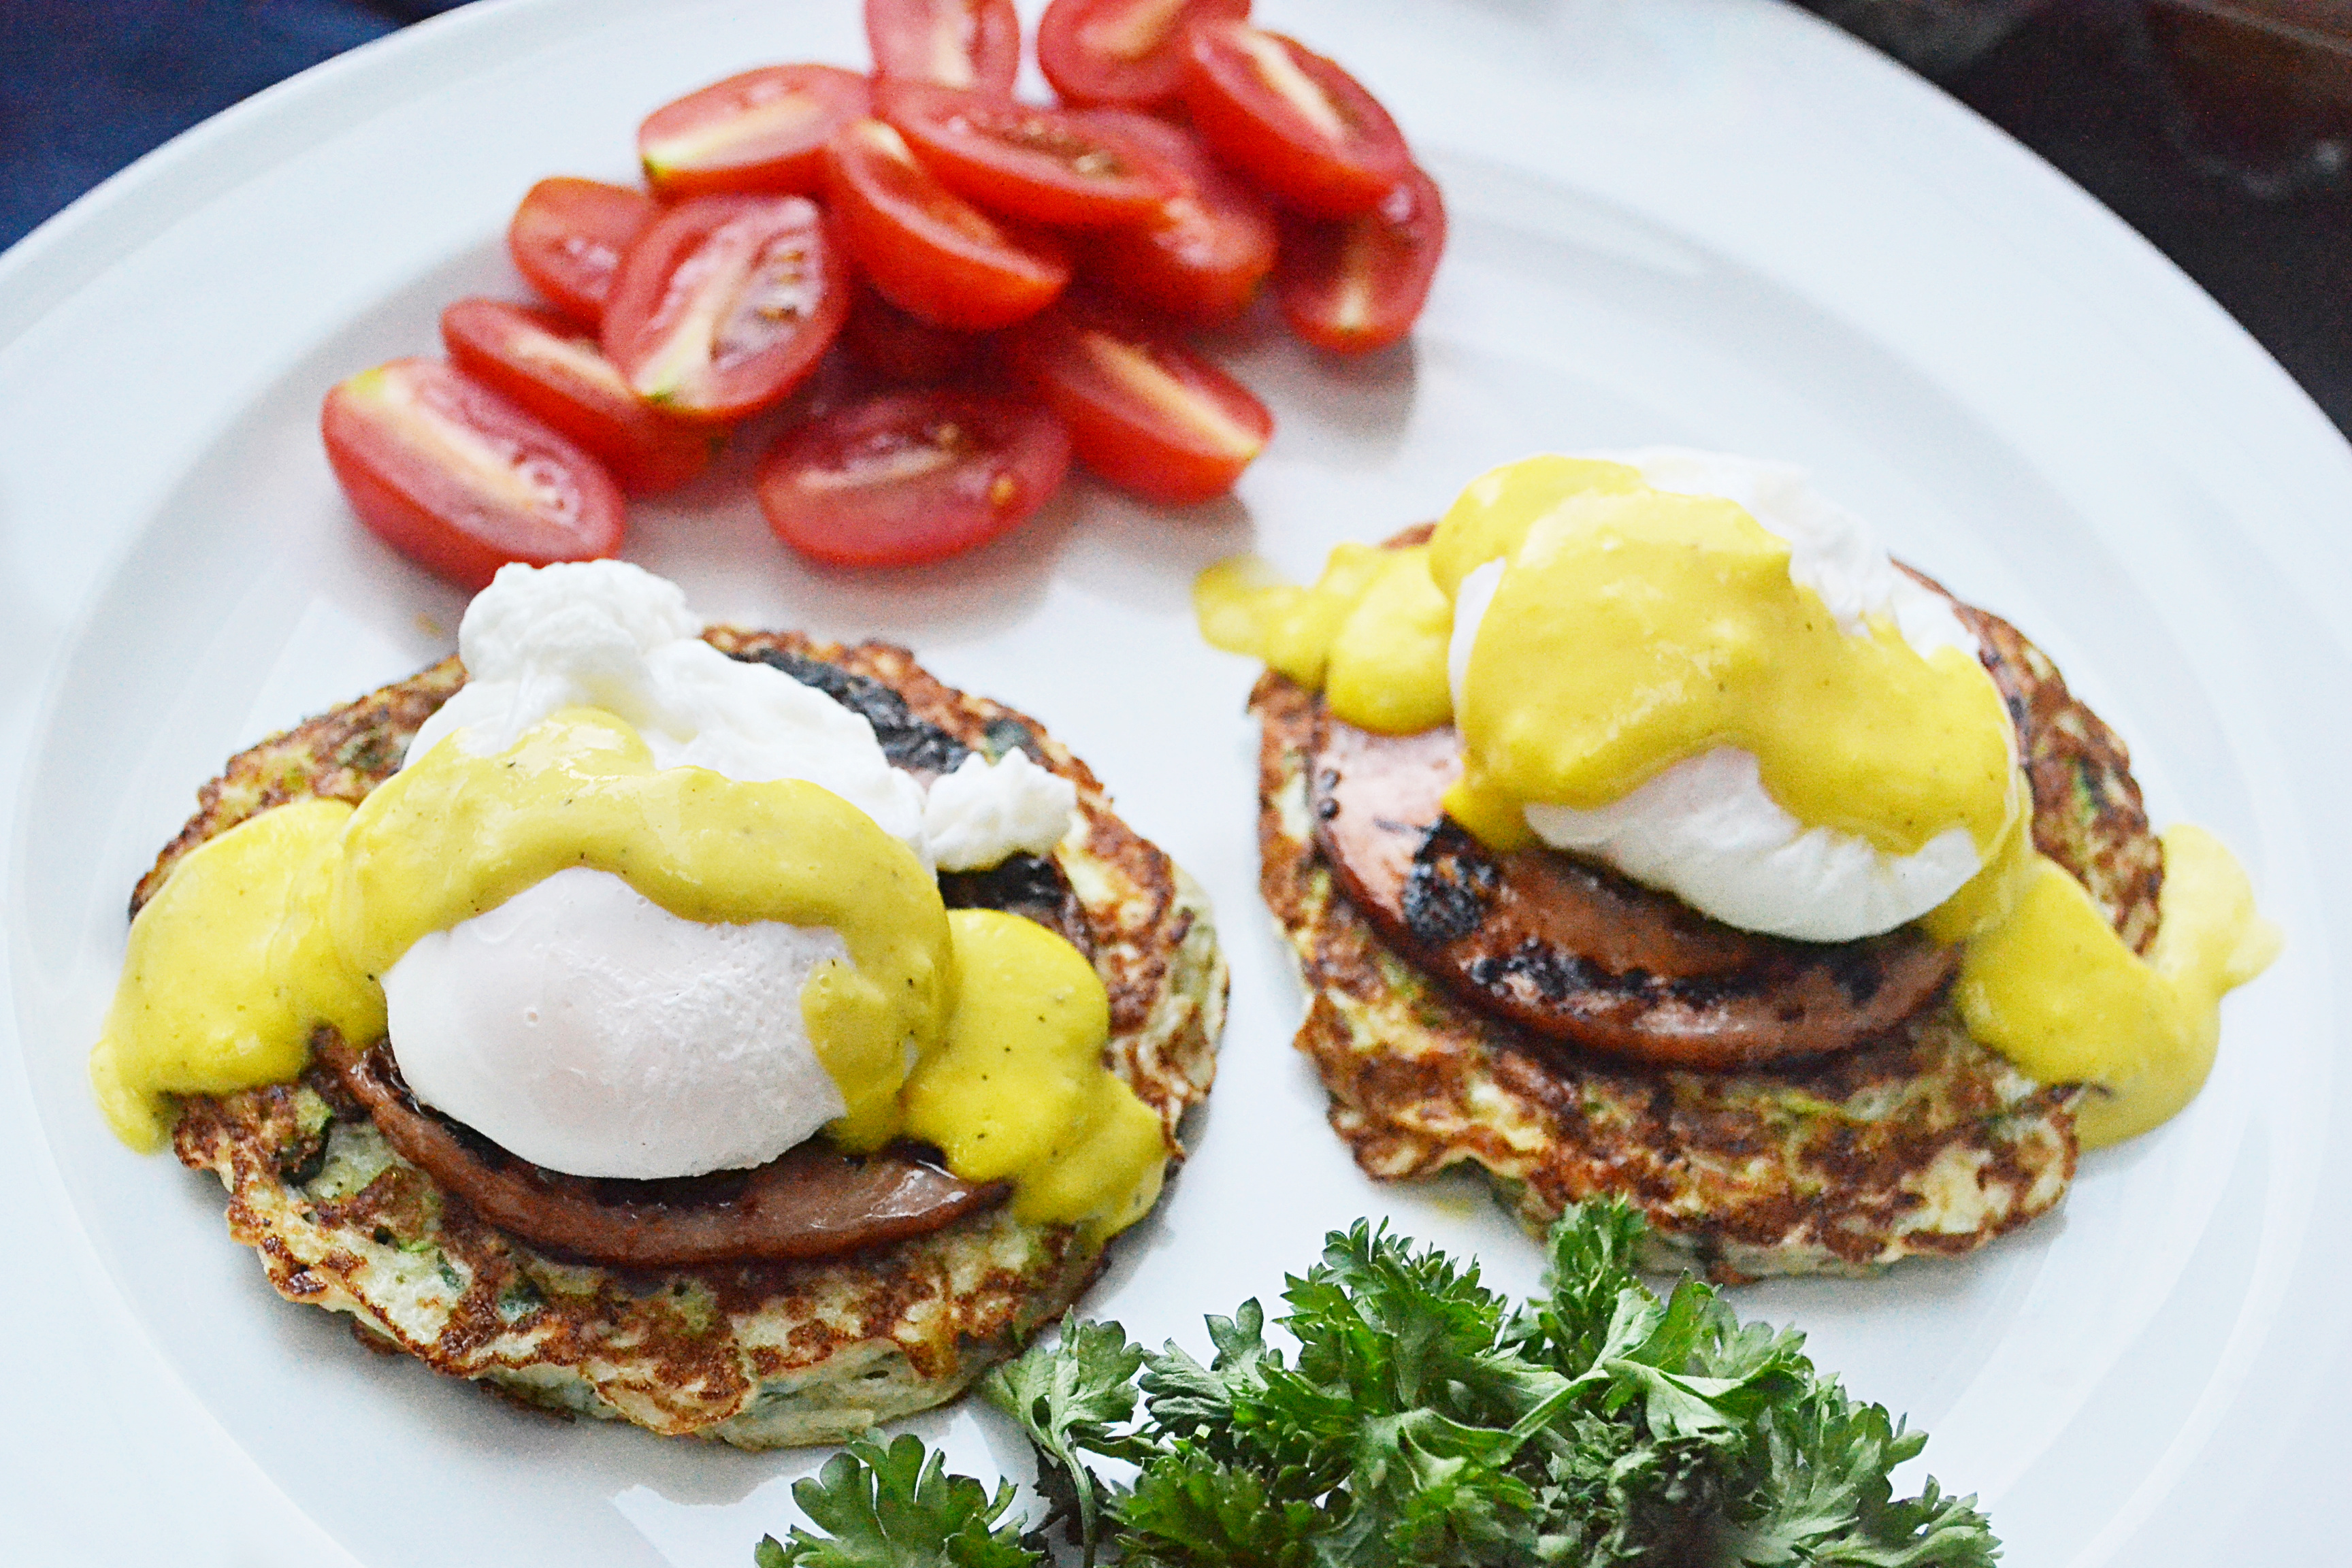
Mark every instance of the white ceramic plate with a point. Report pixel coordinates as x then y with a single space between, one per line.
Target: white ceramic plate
1711 222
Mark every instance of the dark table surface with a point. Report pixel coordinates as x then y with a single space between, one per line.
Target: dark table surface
86 86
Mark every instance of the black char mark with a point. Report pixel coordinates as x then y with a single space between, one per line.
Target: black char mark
1451 886
907 741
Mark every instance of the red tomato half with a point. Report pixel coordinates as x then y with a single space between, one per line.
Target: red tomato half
1203 258
1357 283
460 480
764 130
910 477
928 250
569 235
1121 51
1291 120
1042 165
726 305
1145 412
541 363
901 350
973 44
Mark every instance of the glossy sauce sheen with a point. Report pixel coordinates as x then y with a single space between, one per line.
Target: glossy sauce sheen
286 921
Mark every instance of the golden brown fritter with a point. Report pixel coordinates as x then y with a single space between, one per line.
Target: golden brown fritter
757 1354
1923 1142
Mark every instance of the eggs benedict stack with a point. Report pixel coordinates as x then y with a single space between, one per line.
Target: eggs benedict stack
731 1032
1642 828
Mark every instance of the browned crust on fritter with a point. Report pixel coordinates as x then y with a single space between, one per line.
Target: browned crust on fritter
339 756
1927 1143
713 1350
2087 814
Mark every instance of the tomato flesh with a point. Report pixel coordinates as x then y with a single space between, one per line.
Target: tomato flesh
726 305
1144 412
929 251
1359 283
1121 51
569 235
460 480
910 477
1042 165
1204 257
762 131
970 44
541 363
1290 120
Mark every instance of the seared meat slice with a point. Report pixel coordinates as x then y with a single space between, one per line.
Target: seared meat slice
1571 949
809 1202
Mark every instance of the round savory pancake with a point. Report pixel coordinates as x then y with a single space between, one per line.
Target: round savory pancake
758 1354
1917 1141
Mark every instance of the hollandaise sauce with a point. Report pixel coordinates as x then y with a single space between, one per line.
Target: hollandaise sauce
981 1033
1585 632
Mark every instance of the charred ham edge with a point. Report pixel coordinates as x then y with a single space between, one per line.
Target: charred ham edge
1576 952
809 1203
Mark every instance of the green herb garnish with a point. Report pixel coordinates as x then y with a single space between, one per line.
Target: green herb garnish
1417 1418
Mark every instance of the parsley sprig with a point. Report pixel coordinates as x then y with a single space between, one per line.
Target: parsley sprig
1417 1418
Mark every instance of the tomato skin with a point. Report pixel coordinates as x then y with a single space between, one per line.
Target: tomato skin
1042 164
761 131
900 348
726 305
1338 161
910 476
460 480
926 249
1145 412
541 363
1123 51
1355 284
1203 258
973 44
569 235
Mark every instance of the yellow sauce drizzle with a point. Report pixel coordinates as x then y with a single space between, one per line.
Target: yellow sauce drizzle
1018 1088
1631 632
288 919
2054 990
1633 628
228 965
1370 633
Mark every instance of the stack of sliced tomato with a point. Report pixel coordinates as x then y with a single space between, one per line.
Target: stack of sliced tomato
1010 285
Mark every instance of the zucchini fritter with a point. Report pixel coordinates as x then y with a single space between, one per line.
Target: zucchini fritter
757 1354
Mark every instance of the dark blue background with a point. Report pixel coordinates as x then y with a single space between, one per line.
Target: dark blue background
86 86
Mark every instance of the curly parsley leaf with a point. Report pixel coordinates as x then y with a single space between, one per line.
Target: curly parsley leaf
898 1508
1071 1399
1421 1420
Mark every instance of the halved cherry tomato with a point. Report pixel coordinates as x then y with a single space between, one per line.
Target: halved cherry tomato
1291 120
1121 51
569 235
973 44
910 477
460 480
1042 165
763 130
726 305
928 250
1203 258
1144 412
541 363
1357 283
896 347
